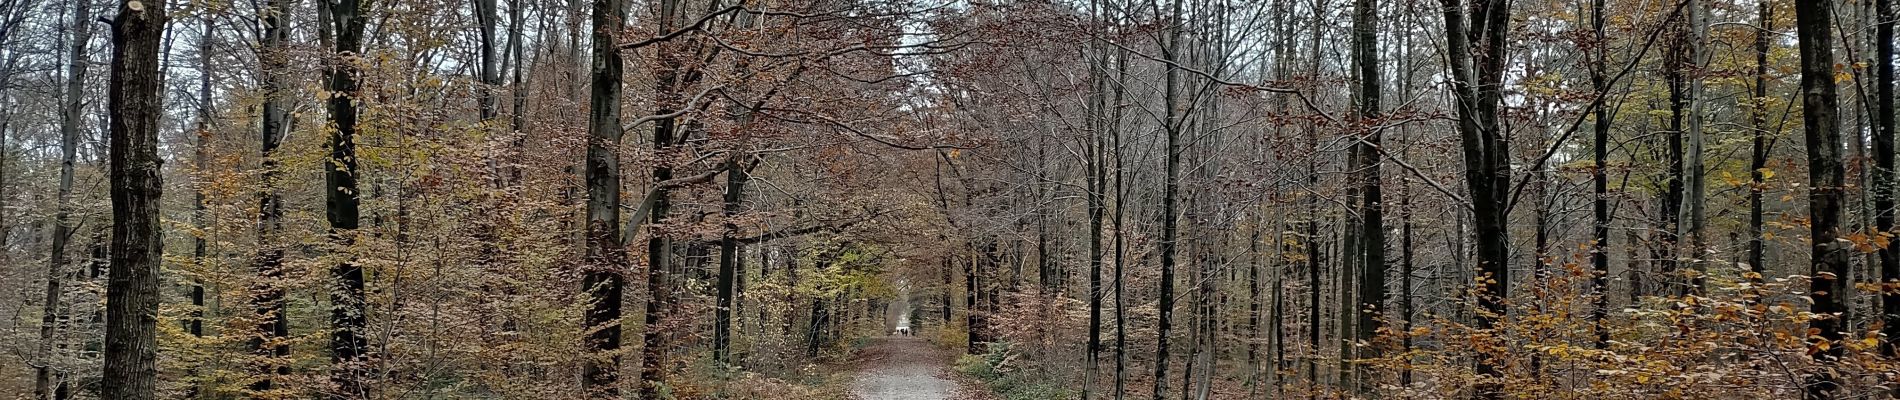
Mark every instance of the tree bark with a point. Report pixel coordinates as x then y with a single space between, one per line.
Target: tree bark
1476 75
268 343
1169 196
348 349
131 351
1884 177
1600 181
603 283
1372 293
1762 142
1826 179
728 261
72 106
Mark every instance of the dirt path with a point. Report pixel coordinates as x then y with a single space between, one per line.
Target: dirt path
903 368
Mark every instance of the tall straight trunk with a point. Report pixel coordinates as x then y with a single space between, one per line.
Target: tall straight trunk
485 21
1477 77
1254 303
1884 177
1600 182
518 121
973 320
1696 187
1169 196
131 350
1121 194
1758 115
348 311
1405 274
1668 253
603 284
1826 180
1314 253
201 156
273 325
728 260
1097 182
1372 294
72 104
659 246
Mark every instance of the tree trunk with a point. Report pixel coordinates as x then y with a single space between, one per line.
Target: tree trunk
1476 75
72 104
1169 196
1884 177
348 313
1372 214
1600 182
603 283
1758 162
728 260
201 156
485 16
659 246
1097 181
131 351
1695 193
1826 179
273 326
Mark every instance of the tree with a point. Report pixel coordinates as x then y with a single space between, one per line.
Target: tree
74 99
1885 177
603 283
1171 126
1826 197
342 205
131 351
1476 75
273 324
1372 294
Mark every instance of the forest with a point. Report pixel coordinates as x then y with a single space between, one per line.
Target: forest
935 199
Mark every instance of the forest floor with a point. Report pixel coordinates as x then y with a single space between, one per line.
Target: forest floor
906 368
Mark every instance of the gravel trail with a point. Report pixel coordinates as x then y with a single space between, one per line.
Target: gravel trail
903 368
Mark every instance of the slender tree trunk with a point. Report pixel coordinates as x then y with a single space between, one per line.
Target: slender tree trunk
1121 194
1477 76
1169 196
1762 142
1826 180
659 246
603 283
1600 182
1696 188
131 351
273 325
201 156
72 104
1097 182
728 261
1372 294
485 21
348 349
1884 177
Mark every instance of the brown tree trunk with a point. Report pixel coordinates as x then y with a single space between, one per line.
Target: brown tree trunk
273 325
1826 196
1476 74
347 315
74 96
603 284
131 351
1372 294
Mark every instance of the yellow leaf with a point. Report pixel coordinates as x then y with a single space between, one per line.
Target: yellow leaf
1766 173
